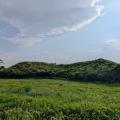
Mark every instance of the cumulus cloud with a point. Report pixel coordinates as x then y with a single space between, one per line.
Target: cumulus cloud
37 19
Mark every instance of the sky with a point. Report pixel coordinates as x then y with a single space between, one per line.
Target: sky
59 31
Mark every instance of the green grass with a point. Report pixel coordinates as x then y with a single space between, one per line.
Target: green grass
58 100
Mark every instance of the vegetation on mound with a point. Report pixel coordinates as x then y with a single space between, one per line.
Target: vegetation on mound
58 100
97 70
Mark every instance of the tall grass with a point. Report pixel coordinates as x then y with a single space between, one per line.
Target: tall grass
58 100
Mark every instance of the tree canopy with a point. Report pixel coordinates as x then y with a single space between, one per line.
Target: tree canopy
97 70
1 61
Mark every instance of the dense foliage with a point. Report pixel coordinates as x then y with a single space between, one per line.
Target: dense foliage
97 70
58 100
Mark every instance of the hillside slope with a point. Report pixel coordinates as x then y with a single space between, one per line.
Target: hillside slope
96 70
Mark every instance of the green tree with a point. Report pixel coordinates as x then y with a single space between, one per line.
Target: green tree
1 64
1 61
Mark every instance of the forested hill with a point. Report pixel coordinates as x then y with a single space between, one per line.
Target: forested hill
96 70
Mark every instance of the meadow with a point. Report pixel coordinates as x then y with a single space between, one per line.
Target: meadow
47 99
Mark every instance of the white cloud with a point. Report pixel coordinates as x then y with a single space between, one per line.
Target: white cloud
24 40
36 19
113 44
7 57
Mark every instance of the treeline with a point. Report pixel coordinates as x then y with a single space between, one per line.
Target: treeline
97 70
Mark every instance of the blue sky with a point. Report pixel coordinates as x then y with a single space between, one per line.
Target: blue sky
59 31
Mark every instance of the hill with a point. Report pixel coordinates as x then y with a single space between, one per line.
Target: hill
96 70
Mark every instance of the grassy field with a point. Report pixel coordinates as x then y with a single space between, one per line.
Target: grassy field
58 100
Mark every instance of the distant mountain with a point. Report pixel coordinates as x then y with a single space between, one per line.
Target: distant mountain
97 70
